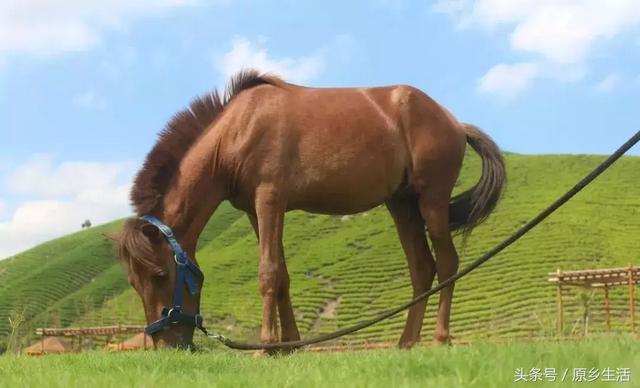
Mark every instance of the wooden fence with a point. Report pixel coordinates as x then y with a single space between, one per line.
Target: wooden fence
78 333
595 279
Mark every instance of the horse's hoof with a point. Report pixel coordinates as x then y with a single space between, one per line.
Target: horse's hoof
261 353
441 341
273 352
286 351
406 344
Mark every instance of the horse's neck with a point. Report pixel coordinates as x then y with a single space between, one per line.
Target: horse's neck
194 196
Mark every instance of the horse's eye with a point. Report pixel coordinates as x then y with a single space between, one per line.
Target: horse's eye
161 275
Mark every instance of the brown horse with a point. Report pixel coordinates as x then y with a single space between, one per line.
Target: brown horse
268 146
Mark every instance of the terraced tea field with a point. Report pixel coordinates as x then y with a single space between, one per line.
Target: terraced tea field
346 269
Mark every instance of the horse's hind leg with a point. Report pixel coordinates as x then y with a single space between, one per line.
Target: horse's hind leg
410 227
434 208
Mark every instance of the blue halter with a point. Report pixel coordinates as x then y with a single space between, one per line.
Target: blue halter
186 270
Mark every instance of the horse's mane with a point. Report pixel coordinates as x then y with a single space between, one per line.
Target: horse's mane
162 162
180 133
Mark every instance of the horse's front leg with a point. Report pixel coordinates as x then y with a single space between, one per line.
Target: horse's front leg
285 309
270 208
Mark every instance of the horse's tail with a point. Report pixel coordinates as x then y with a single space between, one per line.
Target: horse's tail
470 208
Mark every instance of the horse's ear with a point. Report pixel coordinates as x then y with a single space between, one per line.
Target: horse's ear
112 236
152 232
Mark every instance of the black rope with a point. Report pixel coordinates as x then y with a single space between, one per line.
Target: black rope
513 238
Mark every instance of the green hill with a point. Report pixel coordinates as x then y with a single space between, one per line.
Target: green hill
355 265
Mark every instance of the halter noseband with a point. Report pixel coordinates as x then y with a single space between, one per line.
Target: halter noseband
186 270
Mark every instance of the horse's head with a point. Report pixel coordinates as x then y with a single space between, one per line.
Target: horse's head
152 272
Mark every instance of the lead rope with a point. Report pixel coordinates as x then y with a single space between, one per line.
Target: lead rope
513 238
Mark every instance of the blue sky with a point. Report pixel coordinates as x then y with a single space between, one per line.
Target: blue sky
86 86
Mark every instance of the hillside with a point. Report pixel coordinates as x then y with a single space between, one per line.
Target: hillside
355 264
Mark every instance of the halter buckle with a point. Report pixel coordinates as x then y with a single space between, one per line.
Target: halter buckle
178 262
174 314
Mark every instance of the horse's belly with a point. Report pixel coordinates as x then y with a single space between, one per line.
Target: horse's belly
344 205
338 203
349 189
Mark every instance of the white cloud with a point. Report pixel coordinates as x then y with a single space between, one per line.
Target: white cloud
89 100
57 198
560 31
3 207
508 81
40 177
247 54
560 34
565 72
49 27
609 83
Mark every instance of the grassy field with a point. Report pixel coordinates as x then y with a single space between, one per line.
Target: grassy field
355 264
479 365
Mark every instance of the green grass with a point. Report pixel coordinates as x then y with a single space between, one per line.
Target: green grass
479 365
358 261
